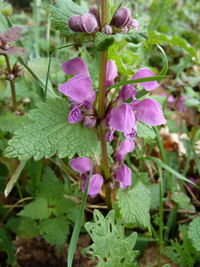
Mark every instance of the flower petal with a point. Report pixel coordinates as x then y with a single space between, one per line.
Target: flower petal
78 88
111 73
75 66
96 182
125 147
144 73
150 112
127 91
124 176
122 118
81 165
89 23
75 115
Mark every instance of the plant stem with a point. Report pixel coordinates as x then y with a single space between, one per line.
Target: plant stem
12 84
160 216
101 109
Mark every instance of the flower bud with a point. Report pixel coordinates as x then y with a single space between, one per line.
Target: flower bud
96 182
134 24
10 77
121 18
89 23
74 23
75 115
95 11
7 10
89 122
107 29
123 176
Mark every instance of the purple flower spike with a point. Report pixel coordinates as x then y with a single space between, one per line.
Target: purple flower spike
127 91
123 176
75 66
96 182
121 17
125 147
89 23
122 119
150 112
144 73
81 165
75 24
78 88
75 115
111 73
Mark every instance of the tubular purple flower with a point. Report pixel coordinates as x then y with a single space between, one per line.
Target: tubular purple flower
122 119
127 91
75 66
75 115
144 73
89 23
121 18
96 182
149 111
125 147
107 29
111 73
81 165
78 89
75 24
124 176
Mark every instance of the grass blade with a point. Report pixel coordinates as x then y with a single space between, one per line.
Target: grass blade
77 227
14 178
167 168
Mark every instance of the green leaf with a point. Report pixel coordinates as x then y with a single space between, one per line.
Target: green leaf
9 122
103 41
183 201
7 246
49 132
62 11
194 233
156 37
55 230
37 209
134 205
145 131
110 245
27 228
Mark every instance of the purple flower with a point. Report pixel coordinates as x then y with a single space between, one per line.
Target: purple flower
121 18
144 73
122 119
89 122
123 176
96 182
125 147
79 88
75 115
81 165
149 111
111 73
134 24
127 91
86 23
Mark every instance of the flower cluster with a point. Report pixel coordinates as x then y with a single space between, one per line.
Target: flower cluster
122 116
80 92
90 23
